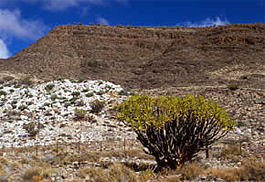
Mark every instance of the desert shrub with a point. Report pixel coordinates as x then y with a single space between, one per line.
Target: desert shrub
119 25
49 87
146 175
190 171
228 174
74 23
242 123
22 107
119 172
253 170
115 173
85 90
90 94
8 78
80 103
96 106
75 94
30 174
3 93
80 23
174 129
67 104
54 97
26 81
3 179
101 92
91 24
80 114
95 174
230 150
32 128
232 87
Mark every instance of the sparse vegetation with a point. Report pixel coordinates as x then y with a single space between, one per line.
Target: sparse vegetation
75 94
26 81
54 97
49 87
96 106
115 173
232 87
23 107
174 129
3 93
33 128
190 171
230 150
80 114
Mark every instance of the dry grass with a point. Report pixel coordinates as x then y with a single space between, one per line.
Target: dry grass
230 174
252 169
38 174
190 171
115 173
31 174
230 150
3 179
146 175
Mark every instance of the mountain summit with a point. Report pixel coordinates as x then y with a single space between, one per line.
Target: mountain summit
147 57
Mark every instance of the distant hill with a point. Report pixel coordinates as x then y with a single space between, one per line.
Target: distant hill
148 57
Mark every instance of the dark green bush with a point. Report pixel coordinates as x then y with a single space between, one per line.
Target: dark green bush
174 129
96 106
49 87
80 114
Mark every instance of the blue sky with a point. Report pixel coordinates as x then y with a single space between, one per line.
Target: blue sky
22 22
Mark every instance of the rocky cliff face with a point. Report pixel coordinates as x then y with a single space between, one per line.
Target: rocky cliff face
147 57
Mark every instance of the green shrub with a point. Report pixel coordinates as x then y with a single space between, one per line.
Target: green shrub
49 87
54 97
22 107
232 87
80 114
174 129
85 90
96 106
91 94
26 81
3 93
75 94
101 92
33 128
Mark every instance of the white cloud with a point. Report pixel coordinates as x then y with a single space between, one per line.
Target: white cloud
13 24
206 23
4 53
64 4
102 21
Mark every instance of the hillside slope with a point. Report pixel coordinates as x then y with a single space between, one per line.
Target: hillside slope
148 57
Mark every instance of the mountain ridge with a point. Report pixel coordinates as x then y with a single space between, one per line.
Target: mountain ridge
145 57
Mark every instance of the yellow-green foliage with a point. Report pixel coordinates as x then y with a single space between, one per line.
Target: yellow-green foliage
141 111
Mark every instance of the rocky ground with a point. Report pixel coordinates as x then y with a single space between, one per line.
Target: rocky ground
60 130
